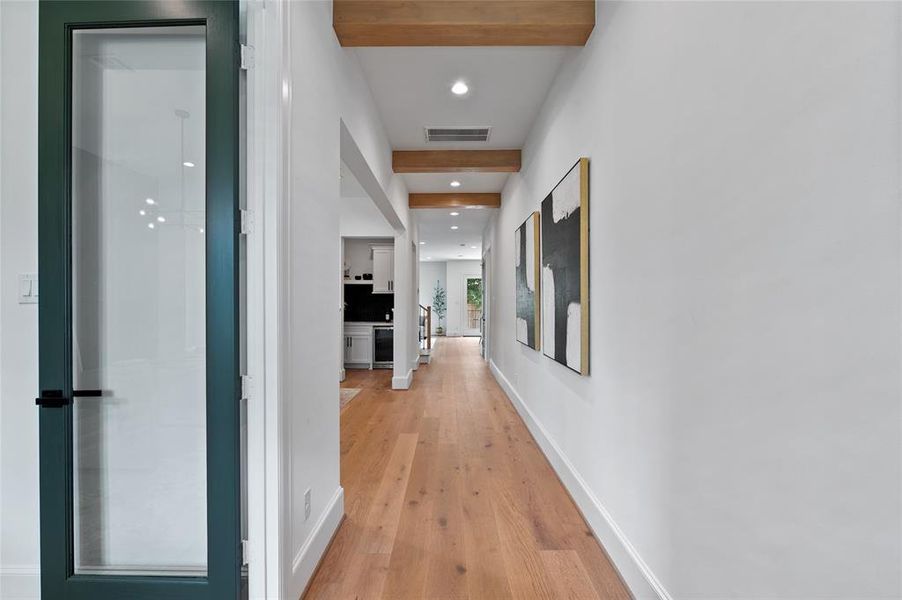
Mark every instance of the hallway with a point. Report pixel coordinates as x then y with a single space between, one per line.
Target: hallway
447 496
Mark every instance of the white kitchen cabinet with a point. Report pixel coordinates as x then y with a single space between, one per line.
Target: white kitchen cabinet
358 345
383 270
360 350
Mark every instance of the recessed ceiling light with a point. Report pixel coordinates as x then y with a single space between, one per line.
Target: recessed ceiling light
150 226
161 219
188 163
472 247
150 201
454 214
460 88
428 258
455 183
422 243
200 229
454 227
142 212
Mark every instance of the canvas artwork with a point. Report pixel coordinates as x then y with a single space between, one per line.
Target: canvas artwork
526 240
565 270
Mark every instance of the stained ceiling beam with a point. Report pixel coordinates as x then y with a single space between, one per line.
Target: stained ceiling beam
453 200
456 161
463 22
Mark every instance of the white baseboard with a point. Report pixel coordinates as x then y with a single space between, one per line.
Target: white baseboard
635 572
309 555
20 583
402 383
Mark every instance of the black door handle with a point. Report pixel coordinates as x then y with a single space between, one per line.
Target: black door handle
55 398
51 399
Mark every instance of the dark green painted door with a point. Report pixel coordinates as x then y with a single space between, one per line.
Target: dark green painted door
139 327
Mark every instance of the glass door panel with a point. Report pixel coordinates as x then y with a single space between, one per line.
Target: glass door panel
138 305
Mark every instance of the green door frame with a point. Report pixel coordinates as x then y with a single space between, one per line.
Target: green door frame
57 21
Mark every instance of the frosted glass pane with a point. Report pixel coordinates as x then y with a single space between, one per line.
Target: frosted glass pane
138 295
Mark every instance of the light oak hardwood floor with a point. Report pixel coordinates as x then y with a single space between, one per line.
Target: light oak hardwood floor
447 496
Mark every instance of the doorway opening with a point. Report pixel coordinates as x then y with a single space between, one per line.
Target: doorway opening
472 306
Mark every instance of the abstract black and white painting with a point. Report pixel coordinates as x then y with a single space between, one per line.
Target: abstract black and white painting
526 240
565 270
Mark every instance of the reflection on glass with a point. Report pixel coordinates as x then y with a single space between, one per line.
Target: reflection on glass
138 300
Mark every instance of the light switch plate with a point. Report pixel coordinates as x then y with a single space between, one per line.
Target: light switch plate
28 288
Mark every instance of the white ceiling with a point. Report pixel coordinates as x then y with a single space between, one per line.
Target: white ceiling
434 183
411 88
443 243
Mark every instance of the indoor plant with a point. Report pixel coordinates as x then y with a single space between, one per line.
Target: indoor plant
439 306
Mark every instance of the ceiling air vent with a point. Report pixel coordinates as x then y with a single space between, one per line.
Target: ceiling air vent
457 134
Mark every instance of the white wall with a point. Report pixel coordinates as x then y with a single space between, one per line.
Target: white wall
430 272
359 255
451 275
19 543
457 296
327 88
739 434
407 343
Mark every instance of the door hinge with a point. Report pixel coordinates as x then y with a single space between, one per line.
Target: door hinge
247 222
245 553
247 387
247 57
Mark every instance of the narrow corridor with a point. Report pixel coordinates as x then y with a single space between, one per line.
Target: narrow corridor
448 496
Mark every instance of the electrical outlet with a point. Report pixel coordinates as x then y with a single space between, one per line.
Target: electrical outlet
307 504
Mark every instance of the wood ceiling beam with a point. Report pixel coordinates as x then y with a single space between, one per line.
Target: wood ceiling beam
463 22
453 200
456 161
